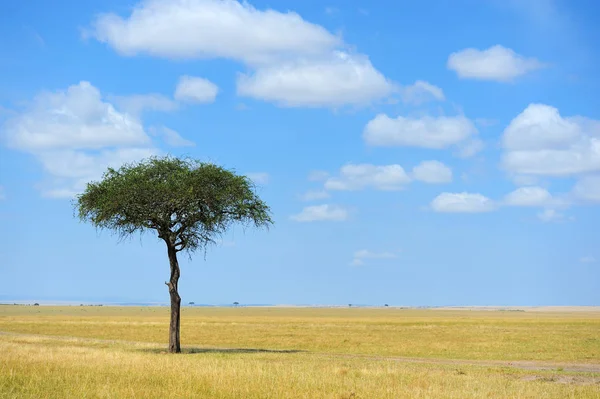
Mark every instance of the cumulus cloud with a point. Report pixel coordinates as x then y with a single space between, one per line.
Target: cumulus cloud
325 212
539 141
193 89
421 92
361 256
211 29
336 80
462 203
362 176
259 177
426 132
529 196
75 135
432 172
292 62
495 63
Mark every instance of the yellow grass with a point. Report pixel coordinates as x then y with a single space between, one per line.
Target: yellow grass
80 352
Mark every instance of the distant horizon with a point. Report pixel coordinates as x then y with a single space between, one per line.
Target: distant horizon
50 302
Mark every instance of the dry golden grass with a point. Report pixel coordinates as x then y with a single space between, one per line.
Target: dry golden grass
51 365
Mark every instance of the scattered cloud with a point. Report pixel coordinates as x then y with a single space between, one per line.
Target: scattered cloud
462 203
331 10
496 63
362 176
259 177
539 141
325 212
313 195
550 215
587 189
361 256
421 92
432 172
292 62
426 132
529 196
469 148
171 137
587 259
333 81
137 103
185 29
75 135
192 89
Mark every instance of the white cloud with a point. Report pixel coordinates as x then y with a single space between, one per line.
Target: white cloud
529 196
192 89
427 132
313 195
587 259
364 254
259 177
75 135
336 80
495 63
137 103
325 212
462 203
469 148
587 189
539 141
74 118
171 137
361 176
421 92
432 172
293 62
211 29
550 215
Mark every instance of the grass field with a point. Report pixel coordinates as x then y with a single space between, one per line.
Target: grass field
114 352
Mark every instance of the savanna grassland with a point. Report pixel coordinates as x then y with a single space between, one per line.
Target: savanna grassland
119 352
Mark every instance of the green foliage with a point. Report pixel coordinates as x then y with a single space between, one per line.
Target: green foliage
189 203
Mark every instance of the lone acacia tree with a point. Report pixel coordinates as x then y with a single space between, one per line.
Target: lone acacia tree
188 203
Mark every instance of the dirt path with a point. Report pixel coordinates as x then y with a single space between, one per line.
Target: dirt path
518 364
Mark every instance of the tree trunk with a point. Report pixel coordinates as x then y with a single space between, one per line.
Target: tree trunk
174 345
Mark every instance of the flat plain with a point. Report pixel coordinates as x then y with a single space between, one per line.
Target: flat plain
280 352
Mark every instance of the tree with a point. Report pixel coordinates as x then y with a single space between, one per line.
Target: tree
188 203
236 303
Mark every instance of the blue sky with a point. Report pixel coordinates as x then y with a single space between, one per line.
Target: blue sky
413 153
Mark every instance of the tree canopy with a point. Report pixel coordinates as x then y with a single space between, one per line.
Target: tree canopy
187 202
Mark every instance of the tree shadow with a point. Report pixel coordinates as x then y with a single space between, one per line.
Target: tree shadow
192 350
